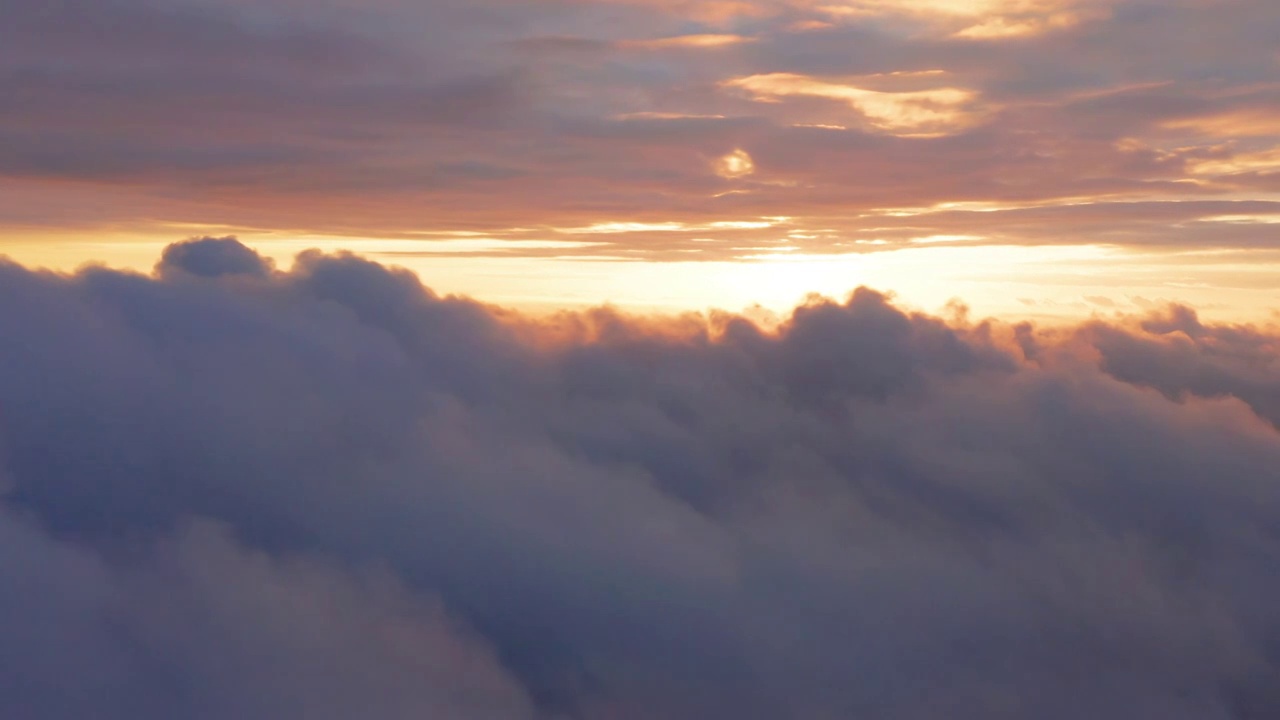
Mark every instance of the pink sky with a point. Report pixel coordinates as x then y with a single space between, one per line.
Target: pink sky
639 359
1046 156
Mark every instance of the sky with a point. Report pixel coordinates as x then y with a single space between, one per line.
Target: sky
639 360
1029 157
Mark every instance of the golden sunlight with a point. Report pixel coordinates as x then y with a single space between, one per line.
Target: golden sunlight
734 165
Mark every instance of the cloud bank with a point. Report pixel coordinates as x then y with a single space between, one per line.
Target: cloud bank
237 492
869 123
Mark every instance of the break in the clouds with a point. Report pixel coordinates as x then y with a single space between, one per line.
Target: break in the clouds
238 492
866 124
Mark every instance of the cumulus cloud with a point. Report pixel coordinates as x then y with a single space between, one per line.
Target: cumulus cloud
211 257
237 492
198 626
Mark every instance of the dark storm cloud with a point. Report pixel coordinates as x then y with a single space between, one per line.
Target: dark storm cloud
240 492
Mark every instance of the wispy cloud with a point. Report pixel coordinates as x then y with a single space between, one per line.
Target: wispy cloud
687 41
385 119
919 113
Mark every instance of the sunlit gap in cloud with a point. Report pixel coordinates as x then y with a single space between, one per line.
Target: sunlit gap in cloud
734 165
774 272
1060 283
1050 283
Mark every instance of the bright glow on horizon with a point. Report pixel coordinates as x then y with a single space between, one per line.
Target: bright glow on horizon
1046 283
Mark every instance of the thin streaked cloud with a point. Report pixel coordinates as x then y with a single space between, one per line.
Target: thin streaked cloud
1122 122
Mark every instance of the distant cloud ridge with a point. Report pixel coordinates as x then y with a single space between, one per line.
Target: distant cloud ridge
232 491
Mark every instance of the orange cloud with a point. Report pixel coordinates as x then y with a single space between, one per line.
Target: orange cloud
1253 122
913 112
977 19
1261 161
735 165
687 41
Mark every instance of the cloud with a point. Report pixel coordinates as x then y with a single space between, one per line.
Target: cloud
977 19
326 490
1175 353
919 112
249 635
385 118
212 257
687 41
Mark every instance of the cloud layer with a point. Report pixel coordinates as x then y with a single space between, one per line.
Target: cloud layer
867 125
237 492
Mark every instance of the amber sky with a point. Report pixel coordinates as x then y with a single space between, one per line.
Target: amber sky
1050 157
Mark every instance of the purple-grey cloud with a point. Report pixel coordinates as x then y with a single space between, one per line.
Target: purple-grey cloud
237 491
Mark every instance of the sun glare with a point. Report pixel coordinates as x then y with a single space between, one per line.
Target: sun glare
734 165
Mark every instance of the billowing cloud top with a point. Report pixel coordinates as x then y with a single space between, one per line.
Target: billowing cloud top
232 491
842 125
